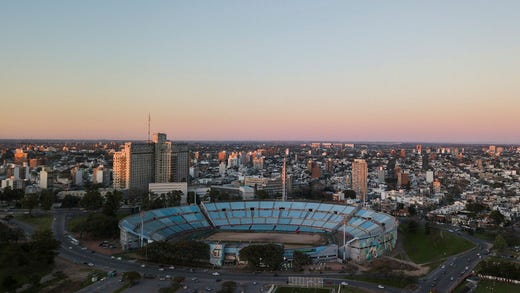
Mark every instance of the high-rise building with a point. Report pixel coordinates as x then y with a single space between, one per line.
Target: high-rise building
139 164
315 170
329 166
381 174
162 158
429 176
119 170
180 163
134 166
43 179
359 178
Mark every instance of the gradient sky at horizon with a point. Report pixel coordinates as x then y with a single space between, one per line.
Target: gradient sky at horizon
432 71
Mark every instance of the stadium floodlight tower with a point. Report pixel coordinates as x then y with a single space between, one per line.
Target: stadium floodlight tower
284 176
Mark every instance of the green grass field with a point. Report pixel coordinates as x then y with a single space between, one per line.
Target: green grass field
38 222
493 286
285 289
393 281
422 248
352 290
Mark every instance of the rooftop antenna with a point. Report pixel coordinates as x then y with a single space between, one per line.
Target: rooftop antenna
149 127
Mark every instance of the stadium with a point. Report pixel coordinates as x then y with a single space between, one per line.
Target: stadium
326 232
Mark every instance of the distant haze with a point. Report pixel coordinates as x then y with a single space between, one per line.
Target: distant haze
425 71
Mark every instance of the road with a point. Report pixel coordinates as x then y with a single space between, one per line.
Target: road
201 279
456 268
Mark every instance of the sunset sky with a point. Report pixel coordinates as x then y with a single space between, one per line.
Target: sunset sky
442 71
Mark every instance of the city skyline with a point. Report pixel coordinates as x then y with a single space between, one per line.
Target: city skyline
396 71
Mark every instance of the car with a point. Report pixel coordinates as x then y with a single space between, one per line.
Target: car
208 289
143 265
433 285
194 279
90 264
83 248
451 278
344 284
161 269
380 286
185 287
119 258
215 274
254 283
172 268
162 279
70 247
443 266
112 257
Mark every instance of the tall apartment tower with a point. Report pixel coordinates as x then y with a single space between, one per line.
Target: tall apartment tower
139 166
359 178
162 157
180 165
119 170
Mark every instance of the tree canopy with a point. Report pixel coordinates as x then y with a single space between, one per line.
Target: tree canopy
263 255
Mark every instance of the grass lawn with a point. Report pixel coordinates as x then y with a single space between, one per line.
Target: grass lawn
301 290
487 236
75 221
422 248
38 222
353 290
393 281
493 286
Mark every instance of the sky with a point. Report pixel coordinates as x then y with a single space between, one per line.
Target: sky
399 71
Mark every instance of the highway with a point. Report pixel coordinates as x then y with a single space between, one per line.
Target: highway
202 279
455 268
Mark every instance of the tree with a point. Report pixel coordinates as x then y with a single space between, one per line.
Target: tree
413 226
349 193
262 194
47 198
92 200
412 210
70 201
500 243
427 228
30 201
44 246
132 277
497 217
300 259
98 226
263 256
191 196
112 203
10 283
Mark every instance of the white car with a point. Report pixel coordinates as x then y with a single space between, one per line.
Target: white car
344 284
215 274
143 265
161 269
380 286
172 268
90 264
